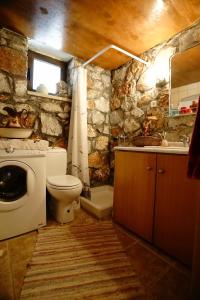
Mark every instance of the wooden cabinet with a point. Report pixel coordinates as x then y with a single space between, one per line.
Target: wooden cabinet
134 191
154 198
175 203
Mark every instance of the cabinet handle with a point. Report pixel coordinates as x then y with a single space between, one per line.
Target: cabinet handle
148 168
161 171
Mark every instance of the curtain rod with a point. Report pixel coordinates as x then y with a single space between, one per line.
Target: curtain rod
116 48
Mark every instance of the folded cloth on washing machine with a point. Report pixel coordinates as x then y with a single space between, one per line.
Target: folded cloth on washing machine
26 144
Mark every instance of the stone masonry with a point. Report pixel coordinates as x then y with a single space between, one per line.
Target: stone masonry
52 113
135 86
117 108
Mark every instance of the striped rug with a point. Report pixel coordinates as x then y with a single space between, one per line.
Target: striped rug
80 262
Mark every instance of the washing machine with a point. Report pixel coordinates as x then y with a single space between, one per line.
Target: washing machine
22 191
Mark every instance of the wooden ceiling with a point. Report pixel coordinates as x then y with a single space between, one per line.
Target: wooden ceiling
185 67
84 27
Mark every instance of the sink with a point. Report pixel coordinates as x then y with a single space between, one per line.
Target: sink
168 148
176 144
171 145
160 149
180 147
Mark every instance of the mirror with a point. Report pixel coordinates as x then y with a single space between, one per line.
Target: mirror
185 82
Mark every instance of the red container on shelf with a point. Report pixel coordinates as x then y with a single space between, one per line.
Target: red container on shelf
185 110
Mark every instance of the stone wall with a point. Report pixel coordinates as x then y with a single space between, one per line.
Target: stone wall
52 112
136 87
98 99
121 113
13 65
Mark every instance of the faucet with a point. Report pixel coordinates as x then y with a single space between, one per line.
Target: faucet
123 138
185 139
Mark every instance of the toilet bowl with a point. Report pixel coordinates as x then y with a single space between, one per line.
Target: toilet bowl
64 189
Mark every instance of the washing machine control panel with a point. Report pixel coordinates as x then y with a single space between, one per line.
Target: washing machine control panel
11 152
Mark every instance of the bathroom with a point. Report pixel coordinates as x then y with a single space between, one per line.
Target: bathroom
118 100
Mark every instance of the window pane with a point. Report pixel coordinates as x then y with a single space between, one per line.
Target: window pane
47 74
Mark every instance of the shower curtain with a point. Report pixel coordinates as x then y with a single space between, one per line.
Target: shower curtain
77 141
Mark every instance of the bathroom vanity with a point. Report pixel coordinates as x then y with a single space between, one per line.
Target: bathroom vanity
154 198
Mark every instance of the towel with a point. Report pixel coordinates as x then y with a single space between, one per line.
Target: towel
194 151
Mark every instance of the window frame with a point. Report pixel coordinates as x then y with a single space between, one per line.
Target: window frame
35 55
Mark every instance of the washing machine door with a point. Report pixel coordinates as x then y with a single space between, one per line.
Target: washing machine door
17 181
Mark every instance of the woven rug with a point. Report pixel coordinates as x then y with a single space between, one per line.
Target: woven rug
80 262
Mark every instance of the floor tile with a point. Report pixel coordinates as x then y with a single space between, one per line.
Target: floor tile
6 283
149 266
20 252
163 277
174 285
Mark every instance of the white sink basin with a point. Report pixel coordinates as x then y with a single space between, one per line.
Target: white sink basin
176 144
171 145
177 148
181 148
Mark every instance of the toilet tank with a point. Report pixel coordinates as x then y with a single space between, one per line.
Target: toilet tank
56 161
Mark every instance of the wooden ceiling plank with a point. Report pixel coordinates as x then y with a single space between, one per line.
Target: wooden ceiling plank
84 27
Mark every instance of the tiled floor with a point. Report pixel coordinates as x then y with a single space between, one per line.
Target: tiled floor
162 277
15 254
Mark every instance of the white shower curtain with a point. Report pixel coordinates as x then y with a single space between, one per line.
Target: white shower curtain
78 142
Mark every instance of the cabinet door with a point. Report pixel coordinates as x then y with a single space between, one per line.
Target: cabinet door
176 196
134 191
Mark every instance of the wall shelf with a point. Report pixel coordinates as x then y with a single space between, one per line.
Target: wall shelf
53 97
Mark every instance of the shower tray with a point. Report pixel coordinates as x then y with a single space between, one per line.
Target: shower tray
101 202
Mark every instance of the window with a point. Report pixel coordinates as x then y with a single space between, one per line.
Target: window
44 70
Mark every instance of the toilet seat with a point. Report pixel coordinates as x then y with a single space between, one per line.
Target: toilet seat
64 182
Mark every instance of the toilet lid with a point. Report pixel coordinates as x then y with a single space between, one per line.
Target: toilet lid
63 181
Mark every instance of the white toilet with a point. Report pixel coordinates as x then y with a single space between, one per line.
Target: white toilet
64 189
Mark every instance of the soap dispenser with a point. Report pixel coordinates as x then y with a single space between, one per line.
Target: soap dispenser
164 142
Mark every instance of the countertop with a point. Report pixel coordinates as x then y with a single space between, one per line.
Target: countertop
156 149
